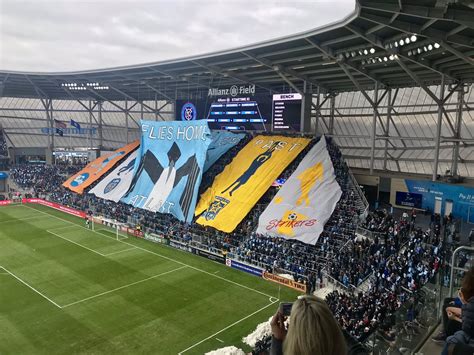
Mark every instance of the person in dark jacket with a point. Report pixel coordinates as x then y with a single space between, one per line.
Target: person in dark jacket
466 294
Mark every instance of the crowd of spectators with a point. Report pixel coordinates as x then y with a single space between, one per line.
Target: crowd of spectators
3 144
41 178
397 273
397 261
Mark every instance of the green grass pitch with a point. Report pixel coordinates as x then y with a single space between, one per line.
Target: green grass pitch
65 289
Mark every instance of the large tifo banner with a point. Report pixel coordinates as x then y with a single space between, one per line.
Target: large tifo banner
96 169
243 182
168 172
222 141
117 182
306 201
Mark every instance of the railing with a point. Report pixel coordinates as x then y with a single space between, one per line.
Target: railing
456 268
369 234
338 284
360 193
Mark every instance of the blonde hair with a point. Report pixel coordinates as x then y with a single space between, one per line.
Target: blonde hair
313 329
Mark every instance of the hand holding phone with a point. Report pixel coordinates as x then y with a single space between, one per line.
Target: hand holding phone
285 308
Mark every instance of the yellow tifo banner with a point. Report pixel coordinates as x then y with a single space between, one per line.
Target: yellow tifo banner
94 170
243 182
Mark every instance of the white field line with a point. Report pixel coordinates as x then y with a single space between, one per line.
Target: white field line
120 251
31 287
122 287
161 256
229 326
220 340
73 242
19 219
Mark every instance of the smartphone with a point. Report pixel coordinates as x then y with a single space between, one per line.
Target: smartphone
285 308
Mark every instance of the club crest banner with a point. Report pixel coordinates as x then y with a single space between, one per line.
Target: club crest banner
96 169
222 141
117 182
168 173
243 182
306 201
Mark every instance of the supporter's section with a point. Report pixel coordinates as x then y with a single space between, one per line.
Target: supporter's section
236 190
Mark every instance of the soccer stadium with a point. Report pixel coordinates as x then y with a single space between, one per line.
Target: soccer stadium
311 194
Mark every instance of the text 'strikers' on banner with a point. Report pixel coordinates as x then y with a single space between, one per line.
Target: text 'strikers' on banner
168 172
222 141
96 169
306 201
243 182
117 182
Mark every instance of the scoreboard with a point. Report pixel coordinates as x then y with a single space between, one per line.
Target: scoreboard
286 112
234 110
239 113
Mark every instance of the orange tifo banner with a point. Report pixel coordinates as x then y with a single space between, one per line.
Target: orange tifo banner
243 182
98 168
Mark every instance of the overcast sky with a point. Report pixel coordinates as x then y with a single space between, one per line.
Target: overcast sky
63 35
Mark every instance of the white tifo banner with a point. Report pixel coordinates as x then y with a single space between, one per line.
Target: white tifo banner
306 200
117 182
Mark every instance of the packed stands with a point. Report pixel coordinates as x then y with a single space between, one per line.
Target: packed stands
394 265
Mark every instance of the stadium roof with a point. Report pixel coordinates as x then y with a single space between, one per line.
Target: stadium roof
367 47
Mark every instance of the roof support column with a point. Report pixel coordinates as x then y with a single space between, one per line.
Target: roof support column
126 120
101 138
90 124
374 127
387 126
438 129
316 121
305 118
331 114
457 133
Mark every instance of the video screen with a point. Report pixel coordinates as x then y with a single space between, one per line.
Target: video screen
246 113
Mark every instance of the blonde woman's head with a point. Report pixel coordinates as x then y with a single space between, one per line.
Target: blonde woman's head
313 329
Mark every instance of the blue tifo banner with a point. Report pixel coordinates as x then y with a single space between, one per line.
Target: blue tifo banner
82 131
168 172
244 267
222 141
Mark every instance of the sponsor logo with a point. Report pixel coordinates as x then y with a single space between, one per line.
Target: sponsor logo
244 267
188 112
210 256
80 179
284 281
112 185
233 91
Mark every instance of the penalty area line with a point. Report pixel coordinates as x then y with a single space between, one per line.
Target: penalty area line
229 326
124 286
30 287
157 254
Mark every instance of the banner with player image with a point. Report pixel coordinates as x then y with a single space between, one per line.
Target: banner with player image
243 182
222 141
96 169
168 172
306 201
117 182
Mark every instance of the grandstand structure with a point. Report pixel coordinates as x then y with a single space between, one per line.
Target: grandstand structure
391 83
390 88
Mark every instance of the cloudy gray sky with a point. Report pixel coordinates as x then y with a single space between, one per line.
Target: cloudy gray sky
62 35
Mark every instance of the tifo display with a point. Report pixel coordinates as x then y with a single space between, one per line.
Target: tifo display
164 174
